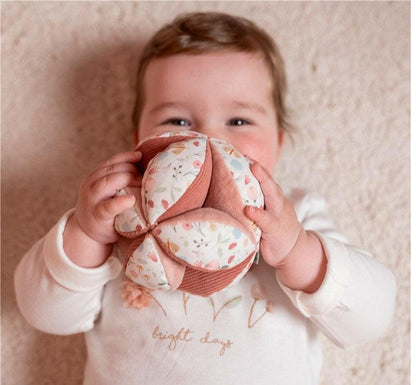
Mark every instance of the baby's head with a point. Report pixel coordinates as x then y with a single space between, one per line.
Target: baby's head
217 74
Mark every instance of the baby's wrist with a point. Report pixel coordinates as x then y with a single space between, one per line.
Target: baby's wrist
304 267
81 249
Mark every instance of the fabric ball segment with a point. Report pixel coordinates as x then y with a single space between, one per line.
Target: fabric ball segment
187 229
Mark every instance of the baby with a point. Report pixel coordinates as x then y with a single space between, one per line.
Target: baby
224 77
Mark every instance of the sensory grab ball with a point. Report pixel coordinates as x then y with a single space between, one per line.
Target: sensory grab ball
187 229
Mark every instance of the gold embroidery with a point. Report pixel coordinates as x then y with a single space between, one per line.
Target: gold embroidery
185 335
250 325
258 294
226 304
181 335
185 300
208 340
158 303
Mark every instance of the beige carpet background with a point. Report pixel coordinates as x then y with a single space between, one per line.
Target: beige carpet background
68 71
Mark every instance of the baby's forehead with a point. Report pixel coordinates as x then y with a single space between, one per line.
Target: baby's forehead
216 58
216 69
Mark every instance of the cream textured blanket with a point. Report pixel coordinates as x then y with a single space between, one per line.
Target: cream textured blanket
68 71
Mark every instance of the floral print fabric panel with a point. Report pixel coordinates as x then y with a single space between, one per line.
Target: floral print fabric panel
170 173
130 222
145 266
247 185
206 245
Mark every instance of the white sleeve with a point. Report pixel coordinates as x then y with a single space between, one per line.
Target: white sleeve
53 294
355 302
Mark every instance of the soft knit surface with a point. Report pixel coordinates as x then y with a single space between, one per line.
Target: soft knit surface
68 75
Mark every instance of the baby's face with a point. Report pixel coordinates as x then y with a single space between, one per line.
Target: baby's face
226 95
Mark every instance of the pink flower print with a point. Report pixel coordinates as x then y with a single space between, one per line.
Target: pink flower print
165 204
197 164
252 193
151 203
150 184
198 264
135 296
153 256
234 244
231 259
133 273
196 143
187 226
247 180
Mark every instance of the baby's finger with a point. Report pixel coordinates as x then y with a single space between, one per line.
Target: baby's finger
267 222
108 186
273 195
124 157
108 209
112 169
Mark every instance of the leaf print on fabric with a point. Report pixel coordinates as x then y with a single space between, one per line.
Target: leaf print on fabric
174 248
178 148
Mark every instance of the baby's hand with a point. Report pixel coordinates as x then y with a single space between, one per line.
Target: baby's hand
278 221
297 254
97 204
90 233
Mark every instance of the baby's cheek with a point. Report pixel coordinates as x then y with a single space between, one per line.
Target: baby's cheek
264 152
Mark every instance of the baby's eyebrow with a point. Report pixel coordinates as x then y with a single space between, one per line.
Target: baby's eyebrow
249 106
252 106
164 105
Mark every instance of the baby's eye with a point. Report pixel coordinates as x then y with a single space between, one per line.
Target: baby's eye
238 122
178 122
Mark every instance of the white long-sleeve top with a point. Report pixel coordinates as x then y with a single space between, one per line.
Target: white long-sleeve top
258 331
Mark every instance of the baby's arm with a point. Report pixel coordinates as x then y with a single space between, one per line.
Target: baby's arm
53 294
354 297
59 282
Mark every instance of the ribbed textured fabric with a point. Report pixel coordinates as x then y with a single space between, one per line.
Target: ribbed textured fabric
205 283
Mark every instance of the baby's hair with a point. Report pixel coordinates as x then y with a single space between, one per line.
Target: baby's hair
205 32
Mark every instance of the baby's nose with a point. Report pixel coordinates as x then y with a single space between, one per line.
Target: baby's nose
211 131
